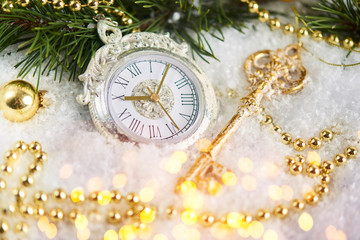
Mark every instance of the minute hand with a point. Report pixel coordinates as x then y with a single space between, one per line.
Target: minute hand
163 78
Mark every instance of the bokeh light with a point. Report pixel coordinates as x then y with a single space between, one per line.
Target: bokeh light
275 192
270 235
94 184
314 158
245 165
66 171
305 221
119 180
248 183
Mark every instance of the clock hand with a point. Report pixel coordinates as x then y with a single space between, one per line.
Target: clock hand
163 78
155 97
136 98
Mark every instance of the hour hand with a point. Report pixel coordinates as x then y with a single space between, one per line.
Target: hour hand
136 98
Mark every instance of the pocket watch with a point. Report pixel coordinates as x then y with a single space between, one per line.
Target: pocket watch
143 87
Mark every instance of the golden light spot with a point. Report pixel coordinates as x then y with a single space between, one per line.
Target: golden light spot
245 165
146 194
272 170
193 201
229 178
275 192
359 134
305 221
287 192
119 180
188 187
220 230
51 231
104 198
128 232
203 145
189 217
160 237
214 187
314 158
43 222
234 219
179 156
256 229
77 195
147 215
94 184
145 233
66 171
305 189
81 222
111 235
333 234
270 235
181 231
248 183
173 165
130 156
83 234
194 233
243 232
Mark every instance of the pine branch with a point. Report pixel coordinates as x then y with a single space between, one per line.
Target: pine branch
64 41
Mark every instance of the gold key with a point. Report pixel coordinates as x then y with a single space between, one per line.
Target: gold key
269 72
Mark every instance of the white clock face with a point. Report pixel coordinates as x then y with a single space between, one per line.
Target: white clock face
148 112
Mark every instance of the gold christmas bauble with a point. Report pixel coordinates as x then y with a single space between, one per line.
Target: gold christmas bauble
19 101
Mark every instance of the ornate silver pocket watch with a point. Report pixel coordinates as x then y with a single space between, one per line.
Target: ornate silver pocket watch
144 88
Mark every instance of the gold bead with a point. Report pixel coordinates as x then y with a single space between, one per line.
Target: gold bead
113 216
94 196
44 2
288 28
73 214
41 157
253 7
312 170
281 211
207 219
325 179
297 204
130 213
299 144
348 43
326 135
115 196
2 184
27 180
339 159
267 120
19 101
289 160
39 212
34 147
327 167
58 4
19 193
6 168
56 214
11 156
322 189
311 198
108 2
350 152
132 198
93 4
35 167
10 209
40 197
333 39
21 227
4 226
302 32
277 129
74 5
263 15
263 215
315 143
286 138
138 208
21 146
170 211
59 195
26 210
7 6
23 3
139 225
126 20
296 168
317 35
300 158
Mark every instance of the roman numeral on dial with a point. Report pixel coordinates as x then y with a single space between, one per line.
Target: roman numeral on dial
172 128
122 81
185 116
181 83
154 131
136 126
187 99
134 70
121 97
124 115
